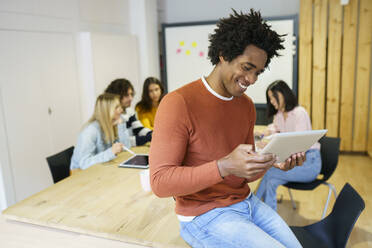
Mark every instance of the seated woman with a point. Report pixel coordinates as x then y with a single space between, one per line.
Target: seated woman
103 136
288 117
153 92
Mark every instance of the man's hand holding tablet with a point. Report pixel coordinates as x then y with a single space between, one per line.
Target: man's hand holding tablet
244 162
290 147
296 159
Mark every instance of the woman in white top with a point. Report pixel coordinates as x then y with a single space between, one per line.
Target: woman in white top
288 117
103 136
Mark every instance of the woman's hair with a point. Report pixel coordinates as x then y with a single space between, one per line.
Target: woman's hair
235 33
104 111
290 99
119 87
146 103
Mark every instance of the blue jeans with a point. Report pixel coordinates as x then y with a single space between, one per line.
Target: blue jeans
275 177
249 223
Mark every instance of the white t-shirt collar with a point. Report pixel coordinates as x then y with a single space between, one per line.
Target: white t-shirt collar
214 92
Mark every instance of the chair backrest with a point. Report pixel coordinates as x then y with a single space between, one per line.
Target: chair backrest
59 164
335 229
329 150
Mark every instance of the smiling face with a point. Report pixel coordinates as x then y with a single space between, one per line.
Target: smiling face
241 72
126 100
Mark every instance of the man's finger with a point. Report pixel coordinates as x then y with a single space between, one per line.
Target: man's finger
246 147
299 159
261 158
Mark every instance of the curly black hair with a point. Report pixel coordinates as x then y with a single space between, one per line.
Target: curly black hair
235 33
120 87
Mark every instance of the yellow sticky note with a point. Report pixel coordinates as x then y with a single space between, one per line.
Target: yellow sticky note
194 44
182 43
188 52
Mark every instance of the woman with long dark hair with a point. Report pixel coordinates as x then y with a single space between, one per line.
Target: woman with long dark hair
153 92
288 117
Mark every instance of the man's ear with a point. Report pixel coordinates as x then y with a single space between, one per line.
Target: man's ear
221 58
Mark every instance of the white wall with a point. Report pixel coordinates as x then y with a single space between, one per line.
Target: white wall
144 18
3 199
108 16
171 11
7 194
136 61
98 18
102 58
112 60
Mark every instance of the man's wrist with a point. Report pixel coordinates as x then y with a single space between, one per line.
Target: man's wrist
221 164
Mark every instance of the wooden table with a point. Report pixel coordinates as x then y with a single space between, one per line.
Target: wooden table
16 234
104 201
260 128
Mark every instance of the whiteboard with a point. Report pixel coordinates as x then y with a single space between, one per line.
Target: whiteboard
185 47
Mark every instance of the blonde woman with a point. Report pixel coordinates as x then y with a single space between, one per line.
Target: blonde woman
103 136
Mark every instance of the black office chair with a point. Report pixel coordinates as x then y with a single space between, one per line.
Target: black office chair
59 164
329 150
334 230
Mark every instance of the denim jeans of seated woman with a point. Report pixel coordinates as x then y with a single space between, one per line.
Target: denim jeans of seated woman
275 177
249 223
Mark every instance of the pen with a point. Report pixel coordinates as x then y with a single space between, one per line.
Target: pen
128 150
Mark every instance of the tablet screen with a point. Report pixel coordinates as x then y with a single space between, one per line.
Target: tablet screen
137 161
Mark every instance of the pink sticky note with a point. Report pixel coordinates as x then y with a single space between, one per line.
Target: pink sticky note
179 50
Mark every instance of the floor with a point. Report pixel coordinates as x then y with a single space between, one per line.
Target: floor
354 169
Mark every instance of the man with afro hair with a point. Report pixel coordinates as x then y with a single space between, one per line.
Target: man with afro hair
202 150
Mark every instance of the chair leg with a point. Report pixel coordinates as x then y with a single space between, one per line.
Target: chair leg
293 203
331 188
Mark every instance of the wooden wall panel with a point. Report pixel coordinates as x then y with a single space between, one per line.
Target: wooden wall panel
363 76
348 74
367 15
319 63
333 67
305 51
335 84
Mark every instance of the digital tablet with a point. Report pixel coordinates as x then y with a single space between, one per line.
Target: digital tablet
285 144
140 161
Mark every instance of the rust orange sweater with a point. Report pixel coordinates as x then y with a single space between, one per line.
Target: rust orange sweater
193 129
